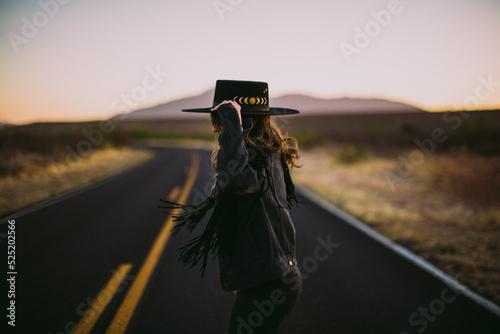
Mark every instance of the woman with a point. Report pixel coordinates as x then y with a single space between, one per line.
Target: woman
250 229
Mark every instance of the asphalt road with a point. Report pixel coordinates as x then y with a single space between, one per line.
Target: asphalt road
97 239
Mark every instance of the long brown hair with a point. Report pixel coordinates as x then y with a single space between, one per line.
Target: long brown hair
265 135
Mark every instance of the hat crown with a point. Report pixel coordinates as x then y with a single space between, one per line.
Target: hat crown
251 95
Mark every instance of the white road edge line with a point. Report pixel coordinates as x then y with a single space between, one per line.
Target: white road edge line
412 257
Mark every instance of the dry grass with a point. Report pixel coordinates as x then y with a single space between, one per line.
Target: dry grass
36 179
446 211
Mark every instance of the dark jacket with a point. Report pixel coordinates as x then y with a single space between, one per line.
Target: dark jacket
257 242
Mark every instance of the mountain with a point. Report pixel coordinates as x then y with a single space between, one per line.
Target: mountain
305 104
170 109
311 105
5 125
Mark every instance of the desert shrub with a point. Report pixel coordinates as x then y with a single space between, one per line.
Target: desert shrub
374 127
480 134
408 128
141 133
307 137
11 163
349 154
445 248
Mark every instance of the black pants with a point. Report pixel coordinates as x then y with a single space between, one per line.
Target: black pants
262 308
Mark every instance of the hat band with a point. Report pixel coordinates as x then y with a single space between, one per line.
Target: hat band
250 100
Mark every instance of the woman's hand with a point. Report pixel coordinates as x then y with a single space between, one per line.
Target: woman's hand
235 105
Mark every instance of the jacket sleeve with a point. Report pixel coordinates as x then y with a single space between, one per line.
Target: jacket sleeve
233 170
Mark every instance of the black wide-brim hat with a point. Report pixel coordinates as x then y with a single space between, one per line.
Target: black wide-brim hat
252 96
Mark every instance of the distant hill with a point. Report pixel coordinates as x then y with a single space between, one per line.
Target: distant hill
5 125
305 104
311 105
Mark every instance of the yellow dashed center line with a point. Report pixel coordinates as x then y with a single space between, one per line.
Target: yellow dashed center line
174 193
93 313
129 304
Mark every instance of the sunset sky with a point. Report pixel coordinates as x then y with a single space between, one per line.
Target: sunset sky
85 60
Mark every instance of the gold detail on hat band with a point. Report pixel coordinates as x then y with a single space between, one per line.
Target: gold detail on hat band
250 100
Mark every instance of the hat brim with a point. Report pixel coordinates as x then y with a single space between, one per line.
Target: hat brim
273 111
